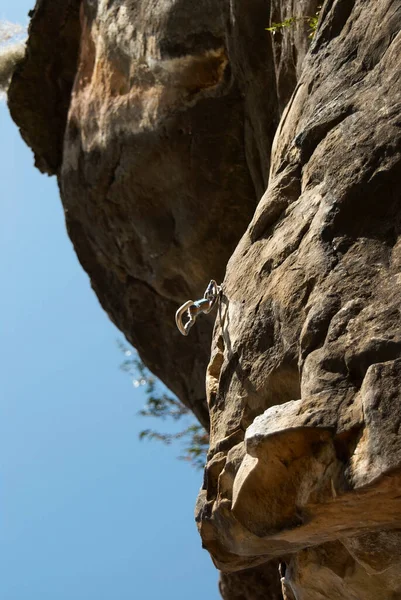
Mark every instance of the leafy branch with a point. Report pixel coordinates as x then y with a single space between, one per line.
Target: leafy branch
312 21
161 405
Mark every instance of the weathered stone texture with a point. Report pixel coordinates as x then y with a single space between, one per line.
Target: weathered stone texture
308 335
174 127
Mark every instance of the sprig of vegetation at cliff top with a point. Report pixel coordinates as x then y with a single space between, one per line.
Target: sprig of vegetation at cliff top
312 21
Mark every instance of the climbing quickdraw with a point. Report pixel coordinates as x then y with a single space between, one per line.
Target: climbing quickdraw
192 309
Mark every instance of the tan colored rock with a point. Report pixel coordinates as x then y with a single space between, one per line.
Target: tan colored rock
329 571
305 364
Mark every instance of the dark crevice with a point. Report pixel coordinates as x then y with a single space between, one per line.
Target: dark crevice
377 350
285 190
308 140
195 43
333 18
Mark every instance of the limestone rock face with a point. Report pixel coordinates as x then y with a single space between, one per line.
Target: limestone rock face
182 134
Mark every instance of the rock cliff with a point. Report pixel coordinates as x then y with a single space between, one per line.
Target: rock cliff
190 143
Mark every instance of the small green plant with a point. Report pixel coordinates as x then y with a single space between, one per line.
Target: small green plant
313 21
290 21
159 404
275 27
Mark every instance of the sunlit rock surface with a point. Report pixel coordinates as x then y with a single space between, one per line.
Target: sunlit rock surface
304 378
183 134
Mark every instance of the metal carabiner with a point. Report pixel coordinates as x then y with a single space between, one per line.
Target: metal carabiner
192 309
212 292
184 329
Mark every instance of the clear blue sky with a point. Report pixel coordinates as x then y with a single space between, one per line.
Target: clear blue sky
87 512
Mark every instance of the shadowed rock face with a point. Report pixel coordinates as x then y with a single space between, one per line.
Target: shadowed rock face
160 151
159 123
257 583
